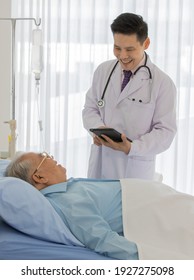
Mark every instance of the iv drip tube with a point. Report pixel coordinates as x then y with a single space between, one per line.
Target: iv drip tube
36 68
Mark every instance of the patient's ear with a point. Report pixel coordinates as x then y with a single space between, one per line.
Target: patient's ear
39 179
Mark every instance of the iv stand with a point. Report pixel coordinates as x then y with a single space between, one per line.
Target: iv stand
12 122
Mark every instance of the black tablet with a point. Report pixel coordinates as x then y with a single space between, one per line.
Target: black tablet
110 132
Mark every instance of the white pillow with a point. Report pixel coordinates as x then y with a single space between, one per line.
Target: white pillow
23 207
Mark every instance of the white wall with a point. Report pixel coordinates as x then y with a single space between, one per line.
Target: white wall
5 73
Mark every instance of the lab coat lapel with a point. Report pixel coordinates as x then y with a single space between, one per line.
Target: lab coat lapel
135 83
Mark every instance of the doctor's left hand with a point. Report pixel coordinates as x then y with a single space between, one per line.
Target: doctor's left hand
124 146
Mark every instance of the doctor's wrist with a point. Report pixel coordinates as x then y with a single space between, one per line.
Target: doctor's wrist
127 148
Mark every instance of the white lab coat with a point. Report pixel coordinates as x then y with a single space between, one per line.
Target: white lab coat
150 124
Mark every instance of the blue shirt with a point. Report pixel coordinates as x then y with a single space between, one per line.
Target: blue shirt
92 209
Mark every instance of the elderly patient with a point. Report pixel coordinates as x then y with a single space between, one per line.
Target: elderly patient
92 209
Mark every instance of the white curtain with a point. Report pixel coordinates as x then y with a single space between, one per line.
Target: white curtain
76 39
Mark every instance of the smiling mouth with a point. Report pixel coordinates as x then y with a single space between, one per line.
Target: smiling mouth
126 61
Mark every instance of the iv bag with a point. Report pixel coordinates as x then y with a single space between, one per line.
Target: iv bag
37 53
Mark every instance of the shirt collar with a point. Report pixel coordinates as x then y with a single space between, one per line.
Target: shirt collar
56 188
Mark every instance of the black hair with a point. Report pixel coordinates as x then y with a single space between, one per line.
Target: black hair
128 24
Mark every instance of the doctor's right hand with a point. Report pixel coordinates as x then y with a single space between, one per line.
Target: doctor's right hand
96 139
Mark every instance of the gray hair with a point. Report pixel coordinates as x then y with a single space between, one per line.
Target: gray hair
20 167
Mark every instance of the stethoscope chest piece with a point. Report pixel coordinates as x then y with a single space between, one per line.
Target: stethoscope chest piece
100 103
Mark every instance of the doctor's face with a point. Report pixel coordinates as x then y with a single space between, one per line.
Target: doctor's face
128 50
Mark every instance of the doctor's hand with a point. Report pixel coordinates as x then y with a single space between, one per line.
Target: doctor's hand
96 140
124 146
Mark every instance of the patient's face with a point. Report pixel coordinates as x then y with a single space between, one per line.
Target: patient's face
47 167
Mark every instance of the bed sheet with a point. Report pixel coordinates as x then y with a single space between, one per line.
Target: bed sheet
15 245
166 216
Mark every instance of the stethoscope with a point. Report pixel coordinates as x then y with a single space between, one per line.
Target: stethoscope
101 102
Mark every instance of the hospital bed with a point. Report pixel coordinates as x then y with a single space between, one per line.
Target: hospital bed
31 229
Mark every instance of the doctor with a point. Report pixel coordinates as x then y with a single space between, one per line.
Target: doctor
143 110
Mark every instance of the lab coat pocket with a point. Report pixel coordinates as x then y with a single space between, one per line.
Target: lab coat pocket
139 103
137 116
141 167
